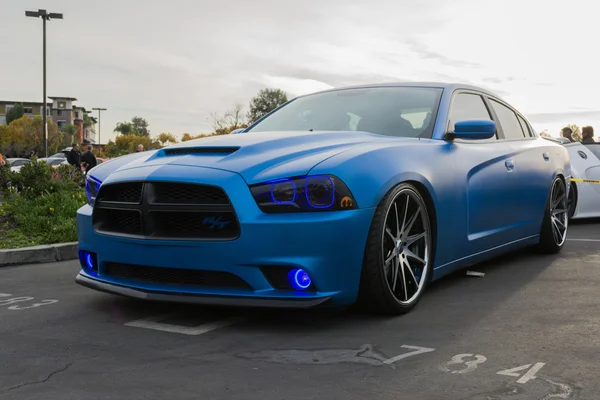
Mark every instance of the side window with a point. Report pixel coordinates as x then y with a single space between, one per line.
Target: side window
525 126
467 106
508 119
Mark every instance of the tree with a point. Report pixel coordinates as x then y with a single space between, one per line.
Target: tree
124 128
14 113
128 144
264 102
140 126
231 120
69 131
165 138
25 134
187 137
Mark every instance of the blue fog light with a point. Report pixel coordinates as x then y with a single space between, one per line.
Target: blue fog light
88 261
299 279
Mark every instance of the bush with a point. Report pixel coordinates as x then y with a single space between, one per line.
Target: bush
40 204
46 219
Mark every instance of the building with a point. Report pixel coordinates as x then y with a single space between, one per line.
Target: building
62 111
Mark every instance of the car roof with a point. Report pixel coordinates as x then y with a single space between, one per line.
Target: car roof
451 86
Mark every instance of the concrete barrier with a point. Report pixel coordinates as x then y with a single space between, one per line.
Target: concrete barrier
39 254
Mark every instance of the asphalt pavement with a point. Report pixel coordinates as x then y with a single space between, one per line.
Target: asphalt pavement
528 329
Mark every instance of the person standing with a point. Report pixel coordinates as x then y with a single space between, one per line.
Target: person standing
567 133
74 156
587 133
89 159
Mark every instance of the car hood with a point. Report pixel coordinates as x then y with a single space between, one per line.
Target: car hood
257 157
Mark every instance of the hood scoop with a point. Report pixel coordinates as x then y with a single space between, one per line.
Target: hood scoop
179 151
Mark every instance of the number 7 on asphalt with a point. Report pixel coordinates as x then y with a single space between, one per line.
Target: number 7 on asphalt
418 350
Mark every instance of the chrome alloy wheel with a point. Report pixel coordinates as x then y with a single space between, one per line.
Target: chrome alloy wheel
559 210
405 246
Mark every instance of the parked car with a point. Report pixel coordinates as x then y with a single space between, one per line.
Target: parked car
354 196
17 163
584 197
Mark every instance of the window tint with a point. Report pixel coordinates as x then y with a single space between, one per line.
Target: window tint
524 126
393 111
467 106
508 119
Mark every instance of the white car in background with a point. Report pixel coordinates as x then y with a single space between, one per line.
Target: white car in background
17 163
584 197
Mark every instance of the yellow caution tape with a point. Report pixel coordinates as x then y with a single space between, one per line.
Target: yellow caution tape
586 180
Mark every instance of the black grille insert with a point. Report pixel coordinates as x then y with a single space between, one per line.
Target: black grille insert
128 192
176 193
165 210
175 276
200 150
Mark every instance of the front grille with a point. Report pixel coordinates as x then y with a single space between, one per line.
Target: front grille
165 210
174 276
169 193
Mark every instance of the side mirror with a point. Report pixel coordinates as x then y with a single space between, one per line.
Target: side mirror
475 129
240 130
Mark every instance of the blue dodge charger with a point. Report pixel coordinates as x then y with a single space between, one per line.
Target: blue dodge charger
354 196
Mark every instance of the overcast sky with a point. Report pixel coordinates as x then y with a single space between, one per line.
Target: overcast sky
174 62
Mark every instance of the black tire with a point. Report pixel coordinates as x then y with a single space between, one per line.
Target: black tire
552 235
572 201
376 293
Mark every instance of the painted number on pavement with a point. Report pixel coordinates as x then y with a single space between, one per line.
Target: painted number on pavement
22 303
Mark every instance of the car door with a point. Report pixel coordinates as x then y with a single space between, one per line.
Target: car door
489 192
532 166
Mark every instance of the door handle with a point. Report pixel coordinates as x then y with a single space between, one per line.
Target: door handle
510 165
546 156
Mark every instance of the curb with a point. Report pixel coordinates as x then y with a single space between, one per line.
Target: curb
39 254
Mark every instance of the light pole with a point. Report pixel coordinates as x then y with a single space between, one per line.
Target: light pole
99 110
46 16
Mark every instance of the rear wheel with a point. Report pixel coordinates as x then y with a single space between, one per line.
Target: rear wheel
556 220
398 256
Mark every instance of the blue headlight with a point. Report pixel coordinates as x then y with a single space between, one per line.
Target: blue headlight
88 261
309 193
92 186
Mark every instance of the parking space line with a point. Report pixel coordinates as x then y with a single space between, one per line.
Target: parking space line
584 240
154 323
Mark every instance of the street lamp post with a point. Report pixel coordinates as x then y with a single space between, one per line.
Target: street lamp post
99 110
46 16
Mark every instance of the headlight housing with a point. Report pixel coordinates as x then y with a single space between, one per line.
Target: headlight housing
303 194
92 186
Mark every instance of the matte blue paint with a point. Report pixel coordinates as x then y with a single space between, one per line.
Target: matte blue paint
481 208
475 129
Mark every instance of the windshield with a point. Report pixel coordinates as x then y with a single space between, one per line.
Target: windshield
390 111
594 148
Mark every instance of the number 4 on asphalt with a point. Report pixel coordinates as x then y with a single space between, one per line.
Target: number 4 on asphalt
530 374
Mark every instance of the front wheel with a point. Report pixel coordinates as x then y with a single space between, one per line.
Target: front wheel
553 234
398 257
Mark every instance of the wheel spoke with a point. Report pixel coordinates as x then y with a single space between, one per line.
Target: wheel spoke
411 222
394 274
407 264
405 214
389 259
412 239
412 255
397 221
404 283
389 232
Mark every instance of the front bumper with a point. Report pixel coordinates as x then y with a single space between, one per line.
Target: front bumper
328 245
